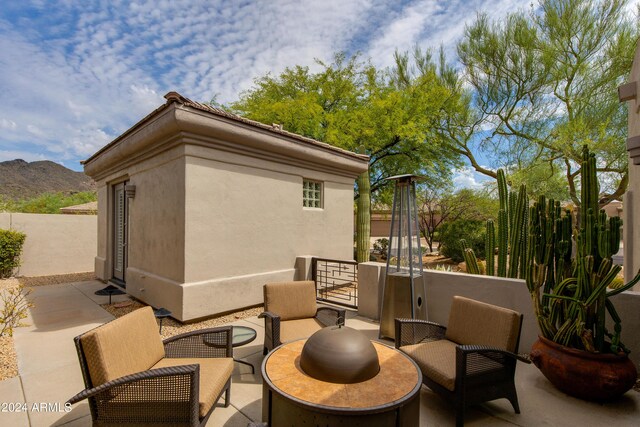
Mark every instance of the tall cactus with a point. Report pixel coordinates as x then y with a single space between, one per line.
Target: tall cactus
363 219
470 258
512 226
503 225
570 296
516 231
489 247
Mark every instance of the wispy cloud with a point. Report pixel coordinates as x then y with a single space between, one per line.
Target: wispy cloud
75 75
430 24
467 177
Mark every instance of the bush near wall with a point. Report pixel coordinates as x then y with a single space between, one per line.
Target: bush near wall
452 232
10 249
47 203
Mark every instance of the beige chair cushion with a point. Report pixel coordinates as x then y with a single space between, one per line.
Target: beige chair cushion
123 346
214 374
478 323
436 359
291 300
291 330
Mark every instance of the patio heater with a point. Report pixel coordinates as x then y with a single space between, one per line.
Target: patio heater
403 294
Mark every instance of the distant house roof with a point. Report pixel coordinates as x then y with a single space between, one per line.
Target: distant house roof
90 208
175 97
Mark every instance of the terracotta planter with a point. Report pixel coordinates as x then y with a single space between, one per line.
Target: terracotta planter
589 376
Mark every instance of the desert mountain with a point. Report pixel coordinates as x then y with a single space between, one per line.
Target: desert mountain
21 180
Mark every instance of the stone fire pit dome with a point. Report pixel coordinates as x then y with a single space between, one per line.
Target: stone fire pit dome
339 354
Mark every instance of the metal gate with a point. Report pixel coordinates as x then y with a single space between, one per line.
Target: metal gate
336 281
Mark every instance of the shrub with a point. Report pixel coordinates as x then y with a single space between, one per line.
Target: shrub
381 246
10 249
48 203
452 232
14 309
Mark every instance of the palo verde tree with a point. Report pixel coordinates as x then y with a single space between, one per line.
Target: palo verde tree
544 84
350 104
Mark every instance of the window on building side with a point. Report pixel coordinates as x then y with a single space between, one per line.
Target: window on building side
311 194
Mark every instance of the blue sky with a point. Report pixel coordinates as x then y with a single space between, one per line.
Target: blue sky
76 74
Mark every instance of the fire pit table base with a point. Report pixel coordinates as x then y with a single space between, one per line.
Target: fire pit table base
286 413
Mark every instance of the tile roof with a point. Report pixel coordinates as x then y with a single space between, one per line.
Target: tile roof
175 97
277 128
85 208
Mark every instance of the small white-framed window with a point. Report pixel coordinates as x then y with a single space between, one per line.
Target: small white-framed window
311 194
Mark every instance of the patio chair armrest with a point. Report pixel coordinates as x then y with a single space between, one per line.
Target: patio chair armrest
331 316
269 315
156 395
414 331
271 329
478 360
486 350
209 342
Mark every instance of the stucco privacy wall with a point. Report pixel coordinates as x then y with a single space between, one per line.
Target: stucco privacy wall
218 208
55 244
510 293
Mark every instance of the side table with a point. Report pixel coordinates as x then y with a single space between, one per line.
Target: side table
241 335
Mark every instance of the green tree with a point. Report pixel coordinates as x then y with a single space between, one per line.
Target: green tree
541 179
544 83
350 104
451 236
47 203
438 205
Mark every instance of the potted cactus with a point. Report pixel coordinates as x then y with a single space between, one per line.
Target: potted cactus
571 295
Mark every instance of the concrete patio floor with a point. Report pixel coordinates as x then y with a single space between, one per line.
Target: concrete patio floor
49 373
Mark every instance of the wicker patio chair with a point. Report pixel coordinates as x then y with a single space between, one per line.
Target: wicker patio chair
291 313
473 360
132 377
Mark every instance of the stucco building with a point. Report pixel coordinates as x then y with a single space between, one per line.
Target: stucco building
198 208
631 92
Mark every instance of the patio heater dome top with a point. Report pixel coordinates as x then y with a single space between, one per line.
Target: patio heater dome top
339 354
406 177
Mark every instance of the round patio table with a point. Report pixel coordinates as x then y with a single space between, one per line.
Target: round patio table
291 397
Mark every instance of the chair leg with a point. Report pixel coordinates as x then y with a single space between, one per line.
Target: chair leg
265 351
227 395
513 398
459 419
514 403
460 414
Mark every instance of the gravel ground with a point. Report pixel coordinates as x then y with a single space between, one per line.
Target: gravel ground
55 280
8 359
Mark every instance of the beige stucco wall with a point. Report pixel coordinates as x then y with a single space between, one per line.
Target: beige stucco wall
218 209
55 244
155 224
442 286
245 226
101 262
632 196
